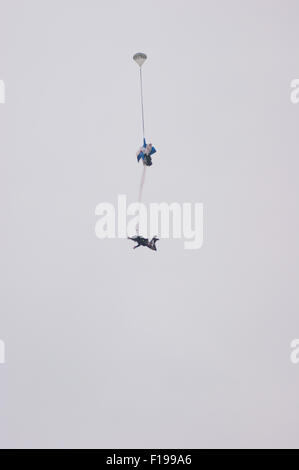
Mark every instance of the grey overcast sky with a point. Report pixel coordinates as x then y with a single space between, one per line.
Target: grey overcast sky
112 347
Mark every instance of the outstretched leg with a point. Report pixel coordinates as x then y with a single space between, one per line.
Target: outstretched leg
152 243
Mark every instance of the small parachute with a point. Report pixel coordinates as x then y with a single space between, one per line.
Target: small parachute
140 58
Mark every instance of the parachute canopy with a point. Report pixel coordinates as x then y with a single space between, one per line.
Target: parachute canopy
140 58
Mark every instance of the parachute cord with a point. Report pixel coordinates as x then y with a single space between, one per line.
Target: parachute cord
142 183
141 95
140 195
144 166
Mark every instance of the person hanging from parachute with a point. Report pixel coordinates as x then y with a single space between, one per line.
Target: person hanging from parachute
145 154
141 241
147 150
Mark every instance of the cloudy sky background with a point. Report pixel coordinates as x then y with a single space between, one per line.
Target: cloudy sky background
110 347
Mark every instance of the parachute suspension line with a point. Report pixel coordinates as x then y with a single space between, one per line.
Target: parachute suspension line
141 95
142 183
140 59
140 195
